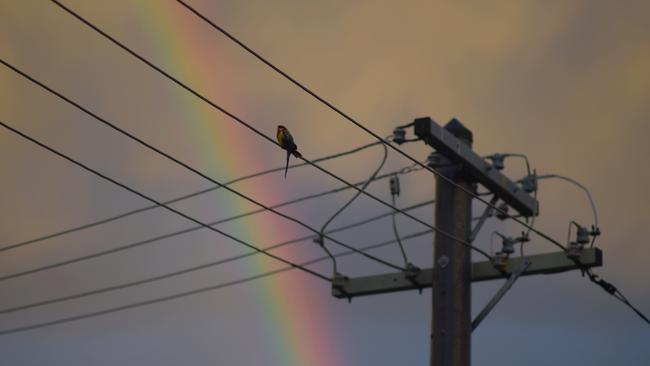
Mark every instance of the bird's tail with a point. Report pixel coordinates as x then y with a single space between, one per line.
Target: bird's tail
297 154
286 167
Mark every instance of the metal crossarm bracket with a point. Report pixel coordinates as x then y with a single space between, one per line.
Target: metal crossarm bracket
483 172
523 265
481 271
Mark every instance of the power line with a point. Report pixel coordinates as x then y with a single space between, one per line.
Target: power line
178 199
194 268
530 227
347 117
624 300
173 234
321 239
255 130
372 178
616 293
152 200
188 167
579 185
394 192
196 291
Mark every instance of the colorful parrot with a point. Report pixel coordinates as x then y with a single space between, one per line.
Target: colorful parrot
286 142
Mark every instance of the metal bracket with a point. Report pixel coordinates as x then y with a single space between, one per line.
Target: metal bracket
502 291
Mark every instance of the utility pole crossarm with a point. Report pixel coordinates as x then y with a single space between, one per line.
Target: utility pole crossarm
481 271
456 151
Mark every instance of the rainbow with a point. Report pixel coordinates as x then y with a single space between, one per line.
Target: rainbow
301 325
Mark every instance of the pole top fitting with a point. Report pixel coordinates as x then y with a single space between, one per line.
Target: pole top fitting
459 130
399 135
437 160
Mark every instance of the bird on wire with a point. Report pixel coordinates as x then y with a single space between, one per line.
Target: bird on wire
286 142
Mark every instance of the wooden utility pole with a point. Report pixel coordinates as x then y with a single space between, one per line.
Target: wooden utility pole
452 271
460 169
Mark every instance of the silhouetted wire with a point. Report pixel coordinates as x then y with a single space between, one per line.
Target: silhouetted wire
348 118
188 167
170 235
518 155
608 287
396 232
255 130
581 186
197 291
612 290
178 199
195 268
362 127
624 300
152 200
321 238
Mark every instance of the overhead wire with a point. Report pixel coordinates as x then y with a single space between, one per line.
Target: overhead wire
177 199
394 186
196 291
129 246
530 227
350 119
625 301
249 126
584 189
340 112
173 234
615 292
321 238
195 268
152 200
187 166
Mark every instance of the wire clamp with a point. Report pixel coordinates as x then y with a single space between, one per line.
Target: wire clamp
529 183
338 283
399 135
502 212
411 272
497 161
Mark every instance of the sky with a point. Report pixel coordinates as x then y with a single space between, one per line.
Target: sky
566 83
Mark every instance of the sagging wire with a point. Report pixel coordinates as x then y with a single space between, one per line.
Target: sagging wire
612 290
203 175
394 193
498 160
399 134
201 266
320 239
184 294
148 241
178 199
344 115
582 238
154 201
411 270
595 229
255 130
